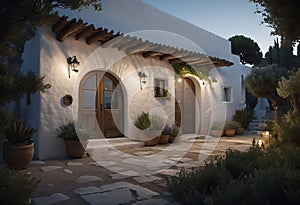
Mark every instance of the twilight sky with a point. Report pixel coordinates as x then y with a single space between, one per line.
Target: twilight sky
225 18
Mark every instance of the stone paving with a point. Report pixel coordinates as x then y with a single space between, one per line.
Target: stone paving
115 181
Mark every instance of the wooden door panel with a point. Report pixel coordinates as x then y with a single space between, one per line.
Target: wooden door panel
112 123
94 112
185 105
111 119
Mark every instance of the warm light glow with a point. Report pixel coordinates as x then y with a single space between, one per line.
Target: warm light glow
260 143
179 79
267 133
73 64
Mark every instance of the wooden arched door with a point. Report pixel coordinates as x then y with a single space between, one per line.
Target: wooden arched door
185 103
101 95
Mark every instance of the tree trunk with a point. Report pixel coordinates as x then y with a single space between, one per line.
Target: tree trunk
294 102
278 111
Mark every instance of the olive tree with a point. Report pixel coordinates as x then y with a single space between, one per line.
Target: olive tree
290 88
262 82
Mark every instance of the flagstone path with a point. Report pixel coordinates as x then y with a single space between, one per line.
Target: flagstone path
108 182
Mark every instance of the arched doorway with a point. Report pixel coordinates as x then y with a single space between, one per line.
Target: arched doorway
101 96
185 103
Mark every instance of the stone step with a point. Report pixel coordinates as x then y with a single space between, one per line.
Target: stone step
118 143
254 132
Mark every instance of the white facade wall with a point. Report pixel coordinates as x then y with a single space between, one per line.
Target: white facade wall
46 56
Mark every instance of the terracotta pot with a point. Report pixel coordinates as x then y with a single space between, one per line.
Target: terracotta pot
239 130
18 156
74 148
216 133
172 139
229 132
164 139
152 142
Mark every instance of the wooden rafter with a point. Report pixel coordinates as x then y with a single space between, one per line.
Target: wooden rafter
64 28
87 31
69 29
96 36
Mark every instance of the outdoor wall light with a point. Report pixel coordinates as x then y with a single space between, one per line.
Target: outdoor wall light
73 64
178 79
143 79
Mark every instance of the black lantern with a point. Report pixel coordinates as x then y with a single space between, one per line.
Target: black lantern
73 64
143 79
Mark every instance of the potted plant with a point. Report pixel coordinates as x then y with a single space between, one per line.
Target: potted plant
217 129
155 129
68 133
230 127
174 133
165 134
244 118
143 121
18 150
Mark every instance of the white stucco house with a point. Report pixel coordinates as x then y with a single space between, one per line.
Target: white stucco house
117 47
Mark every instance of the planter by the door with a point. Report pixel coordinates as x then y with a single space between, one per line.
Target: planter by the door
152 142
217 133
229 132
172 139
18 156
164 139
74 148
239 130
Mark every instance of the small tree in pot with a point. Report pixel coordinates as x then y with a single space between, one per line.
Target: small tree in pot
157 124
217 129
18 150
174 133
150 128
244 118
230 127
165 134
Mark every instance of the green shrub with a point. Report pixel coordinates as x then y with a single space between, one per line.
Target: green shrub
5 118
286 132
257 176
16 187
174 131
217 126
157 122
293 118
18 133
143 121
68 132
230 124
167 130
243 117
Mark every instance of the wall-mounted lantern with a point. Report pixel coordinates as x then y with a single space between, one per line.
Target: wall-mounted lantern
73 64
143 79
178 78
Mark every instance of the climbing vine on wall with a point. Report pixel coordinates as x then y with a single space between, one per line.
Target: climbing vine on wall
184 70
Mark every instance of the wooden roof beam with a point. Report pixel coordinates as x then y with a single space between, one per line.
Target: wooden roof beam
60 24
148 54
175 61
114 42
112 37
87 31
107 36
96 36
72 27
